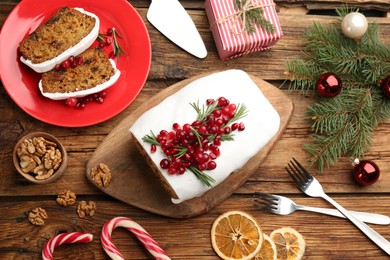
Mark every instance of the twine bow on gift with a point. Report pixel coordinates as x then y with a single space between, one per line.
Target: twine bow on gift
250 15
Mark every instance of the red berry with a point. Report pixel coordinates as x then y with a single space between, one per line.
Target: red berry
164 163
57 67
153 148
79 60
65 64
211 165
72 101
241 127
234 126
71 59
109 31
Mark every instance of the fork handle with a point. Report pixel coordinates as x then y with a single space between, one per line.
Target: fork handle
369 232
363 216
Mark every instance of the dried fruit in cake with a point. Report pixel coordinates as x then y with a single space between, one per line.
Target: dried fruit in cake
70 31
236 235
93 75
290 244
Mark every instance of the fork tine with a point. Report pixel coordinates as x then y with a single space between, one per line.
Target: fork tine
266 201
303 170
293 176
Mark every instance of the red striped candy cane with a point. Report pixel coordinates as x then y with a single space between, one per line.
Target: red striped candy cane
134 228
64 238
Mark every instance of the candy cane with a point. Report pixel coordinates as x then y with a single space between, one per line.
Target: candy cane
137 230
64 238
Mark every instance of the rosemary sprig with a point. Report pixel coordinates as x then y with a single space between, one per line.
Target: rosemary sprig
203 112
151 139
117 48
241 112
204 178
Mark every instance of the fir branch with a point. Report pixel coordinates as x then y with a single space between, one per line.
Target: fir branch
203 177
343 125
253 16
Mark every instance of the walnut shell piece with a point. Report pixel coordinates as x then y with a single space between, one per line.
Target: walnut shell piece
66 198
101 175
37 216
85 209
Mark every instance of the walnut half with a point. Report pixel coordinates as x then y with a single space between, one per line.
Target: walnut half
66 198
101 175
37 216
86 208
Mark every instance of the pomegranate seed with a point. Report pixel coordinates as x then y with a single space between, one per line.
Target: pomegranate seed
176 126
241 127
202 166
181 170
177 162
79 60
72 101
164 163
112 55
163 133
101 45
108 42
65 64
211 165
109 31
234 126
57 67
217 113
153 148
172 170
187 127
71 59
210 101
227 130
232 107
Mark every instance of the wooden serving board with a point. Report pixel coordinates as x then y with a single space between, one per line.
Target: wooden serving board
133 182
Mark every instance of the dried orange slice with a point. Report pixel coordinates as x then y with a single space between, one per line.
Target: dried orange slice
268 250
290 244
236 235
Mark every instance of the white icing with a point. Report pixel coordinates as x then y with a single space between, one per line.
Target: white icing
86 92
74 50
261 124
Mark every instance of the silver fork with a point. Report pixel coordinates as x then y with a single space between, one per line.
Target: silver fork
284 206
309 185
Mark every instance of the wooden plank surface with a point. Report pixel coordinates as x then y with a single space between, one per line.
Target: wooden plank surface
327 237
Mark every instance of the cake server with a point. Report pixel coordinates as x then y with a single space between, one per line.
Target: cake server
173 21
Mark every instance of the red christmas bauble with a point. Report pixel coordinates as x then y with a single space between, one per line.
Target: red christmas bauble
365 172
328 85
385 86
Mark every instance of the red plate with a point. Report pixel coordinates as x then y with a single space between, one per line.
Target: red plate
21 82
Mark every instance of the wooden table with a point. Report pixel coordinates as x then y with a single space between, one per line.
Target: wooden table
327 237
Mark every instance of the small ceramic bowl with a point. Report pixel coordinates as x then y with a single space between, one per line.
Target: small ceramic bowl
31 176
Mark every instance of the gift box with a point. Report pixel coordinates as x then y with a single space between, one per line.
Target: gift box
231 24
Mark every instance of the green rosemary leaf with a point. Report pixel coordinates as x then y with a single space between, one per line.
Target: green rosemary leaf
117 48
152 139
203 177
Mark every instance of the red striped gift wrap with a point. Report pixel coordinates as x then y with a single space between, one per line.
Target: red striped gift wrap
231 41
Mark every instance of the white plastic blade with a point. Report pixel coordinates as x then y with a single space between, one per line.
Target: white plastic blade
172 20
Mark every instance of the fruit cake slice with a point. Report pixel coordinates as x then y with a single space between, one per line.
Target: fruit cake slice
186 131
94 73
70 31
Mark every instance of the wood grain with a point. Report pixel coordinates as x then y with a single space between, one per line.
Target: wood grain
327 237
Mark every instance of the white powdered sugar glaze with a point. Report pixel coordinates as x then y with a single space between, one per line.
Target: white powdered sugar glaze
86 92
75 50
261 124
